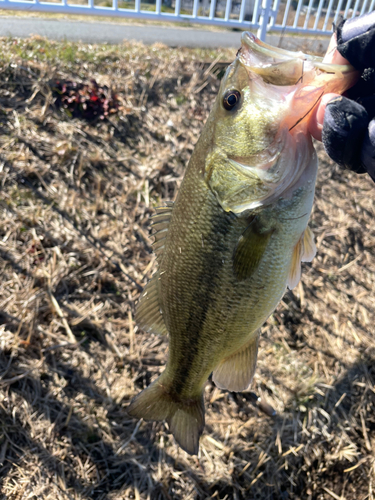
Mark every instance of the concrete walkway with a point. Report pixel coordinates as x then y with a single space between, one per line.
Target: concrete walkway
105 32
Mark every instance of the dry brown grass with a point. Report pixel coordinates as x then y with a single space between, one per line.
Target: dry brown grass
75 203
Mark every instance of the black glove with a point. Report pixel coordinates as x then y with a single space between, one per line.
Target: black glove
349 122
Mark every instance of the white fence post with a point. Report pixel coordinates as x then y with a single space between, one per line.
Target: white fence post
212 9
228 9
264 19
260 15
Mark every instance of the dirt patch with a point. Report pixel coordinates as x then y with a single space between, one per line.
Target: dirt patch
75 251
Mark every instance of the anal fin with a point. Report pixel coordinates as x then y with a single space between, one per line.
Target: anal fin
148 315
236 372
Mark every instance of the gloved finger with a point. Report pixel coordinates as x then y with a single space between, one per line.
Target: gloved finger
368 150
332 55
365 86
356 41
369 104
317 116
344 129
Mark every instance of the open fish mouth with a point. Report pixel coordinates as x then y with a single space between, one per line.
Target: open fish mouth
285 86
279 66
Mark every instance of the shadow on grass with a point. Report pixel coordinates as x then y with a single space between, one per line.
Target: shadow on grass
7 257
114 469
344 414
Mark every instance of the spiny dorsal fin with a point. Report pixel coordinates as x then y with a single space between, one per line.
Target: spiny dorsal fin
304 251
160 222
250 249
236 372
148 315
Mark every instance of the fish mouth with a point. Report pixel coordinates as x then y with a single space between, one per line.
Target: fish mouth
280 66
267 54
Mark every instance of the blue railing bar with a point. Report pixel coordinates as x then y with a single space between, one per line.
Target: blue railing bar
320 6
242 11
195 8
327 15
338 11
286 13
256 11
308 13
347 9
363 7
264 19
274 12
228 9
297 14
355 8
280 28
264 14
372 6
212 9
109 11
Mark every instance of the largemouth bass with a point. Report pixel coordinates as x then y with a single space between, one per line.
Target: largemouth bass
235 237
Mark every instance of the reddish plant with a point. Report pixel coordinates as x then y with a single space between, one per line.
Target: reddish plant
89 101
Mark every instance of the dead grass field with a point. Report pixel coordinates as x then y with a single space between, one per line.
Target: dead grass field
75 251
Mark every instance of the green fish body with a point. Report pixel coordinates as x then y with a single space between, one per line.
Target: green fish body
235 237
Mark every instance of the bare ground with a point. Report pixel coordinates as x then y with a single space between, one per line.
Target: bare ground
75 251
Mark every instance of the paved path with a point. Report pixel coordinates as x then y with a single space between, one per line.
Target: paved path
105 32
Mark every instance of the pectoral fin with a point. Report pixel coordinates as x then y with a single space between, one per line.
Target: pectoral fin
250 249
148 314
304 251
236 372
309 247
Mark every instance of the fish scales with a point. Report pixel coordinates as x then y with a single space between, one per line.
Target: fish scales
237 232
200 292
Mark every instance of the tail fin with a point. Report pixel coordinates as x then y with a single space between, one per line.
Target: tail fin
185 417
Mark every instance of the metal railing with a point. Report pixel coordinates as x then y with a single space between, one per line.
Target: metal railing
311 17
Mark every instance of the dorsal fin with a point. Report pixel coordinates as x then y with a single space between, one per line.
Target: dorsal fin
304 251
148 315
160 222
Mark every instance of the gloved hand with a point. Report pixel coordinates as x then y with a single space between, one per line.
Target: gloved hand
348 123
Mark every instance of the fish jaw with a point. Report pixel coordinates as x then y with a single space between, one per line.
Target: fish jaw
308 77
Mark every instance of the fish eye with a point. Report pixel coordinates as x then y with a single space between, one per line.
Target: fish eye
230 99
